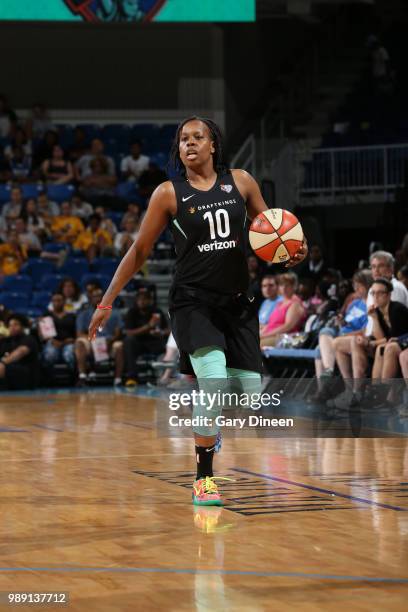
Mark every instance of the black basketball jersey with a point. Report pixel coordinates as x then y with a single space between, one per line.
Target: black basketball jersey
209 231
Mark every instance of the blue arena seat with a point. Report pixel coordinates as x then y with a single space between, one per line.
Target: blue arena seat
17 302
59 193
50 282
105 265
4 193
127 191
40 300
75 267
17 283
31 190
37 268
55 247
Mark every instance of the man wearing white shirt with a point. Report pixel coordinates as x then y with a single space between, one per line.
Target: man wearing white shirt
135 164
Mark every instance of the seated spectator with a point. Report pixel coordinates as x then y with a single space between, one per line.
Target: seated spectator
11 210
125 239
83 165
44 149
98 183
18 356
133 210
112 333
19 140
19 165
403 276
57 170
74 300
133 165
93 241
288 315
146 330
39 122
89 287
12 254
307 293
27 239
4 227
32 219
106 223
79 146
270 292
80 208
8 119
60 348
66 227
390 320
4 317
353 322
150 179
315 266
46 207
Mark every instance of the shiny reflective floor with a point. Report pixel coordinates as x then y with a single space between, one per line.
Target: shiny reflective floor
96 503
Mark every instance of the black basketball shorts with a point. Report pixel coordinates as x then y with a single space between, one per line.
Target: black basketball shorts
201 318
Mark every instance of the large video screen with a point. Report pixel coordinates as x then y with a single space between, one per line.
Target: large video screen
128 10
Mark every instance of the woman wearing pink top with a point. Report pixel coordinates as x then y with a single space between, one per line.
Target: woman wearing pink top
288 315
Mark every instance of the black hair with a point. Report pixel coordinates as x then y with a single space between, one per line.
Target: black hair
176 166
95 217
56 292
18 317
68 279
387 284
404 271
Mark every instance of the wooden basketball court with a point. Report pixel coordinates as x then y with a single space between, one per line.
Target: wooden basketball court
97 504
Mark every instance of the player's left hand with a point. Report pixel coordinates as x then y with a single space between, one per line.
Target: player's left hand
299 256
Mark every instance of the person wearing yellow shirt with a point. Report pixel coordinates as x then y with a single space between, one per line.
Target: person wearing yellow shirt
66 227
94 240
12 255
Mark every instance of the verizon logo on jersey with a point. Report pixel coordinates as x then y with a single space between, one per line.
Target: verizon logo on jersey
217 246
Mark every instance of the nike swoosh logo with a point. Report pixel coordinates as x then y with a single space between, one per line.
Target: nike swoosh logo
188 197
251 299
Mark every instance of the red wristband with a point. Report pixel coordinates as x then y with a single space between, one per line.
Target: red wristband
100 307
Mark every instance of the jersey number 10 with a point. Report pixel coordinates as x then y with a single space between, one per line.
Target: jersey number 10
221 221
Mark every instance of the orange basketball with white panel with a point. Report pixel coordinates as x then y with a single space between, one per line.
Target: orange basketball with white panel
275 235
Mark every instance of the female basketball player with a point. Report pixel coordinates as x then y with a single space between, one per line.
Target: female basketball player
213 319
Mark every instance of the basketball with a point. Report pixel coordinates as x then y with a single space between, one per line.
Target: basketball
275 235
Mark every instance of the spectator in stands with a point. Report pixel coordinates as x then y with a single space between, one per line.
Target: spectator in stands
270 293
4 168
337 335
8 119
106 223
60 348
125 239
74 300
94 240
32 219
89 287
4 317
39 122
288 315
307 293
47 208
314 267
99 183
133 210
26 238
83 166
79 146
57 170
18 356
390 320
80 208
12 254
133 165
11 210
403 276
66 227
19 165
112 333
44 149
150 179
19 140
146 330
4 226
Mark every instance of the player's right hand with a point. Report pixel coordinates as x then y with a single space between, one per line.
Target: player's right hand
98 322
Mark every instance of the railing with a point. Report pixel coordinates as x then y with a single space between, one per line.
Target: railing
245 157
338 171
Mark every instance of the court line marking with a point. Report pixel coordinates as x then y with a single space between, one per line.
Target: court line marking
320 490
240 452
164 570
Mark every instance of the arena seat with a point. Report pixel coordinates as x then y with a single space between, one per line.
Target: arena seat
105 265
40 300
50 282
59 193
128 191
31 190
75 267
37 268
18 283
17 302
102 279
4 193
